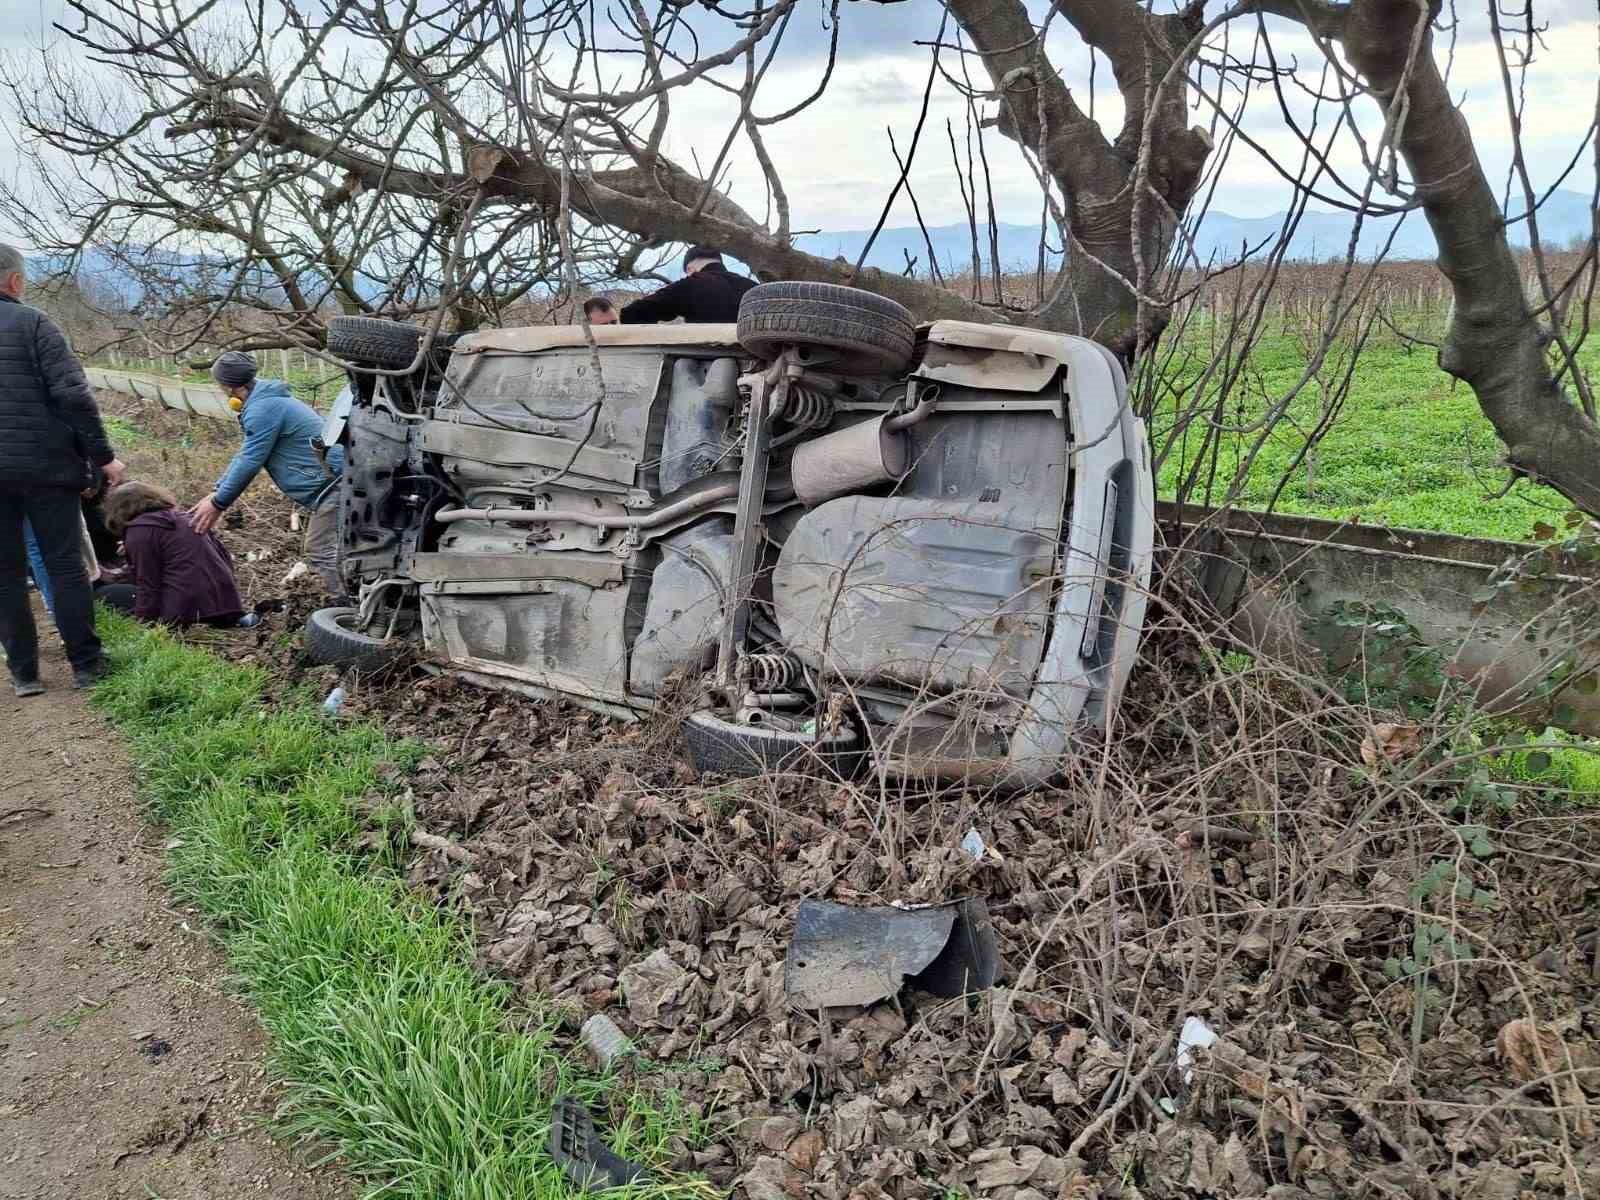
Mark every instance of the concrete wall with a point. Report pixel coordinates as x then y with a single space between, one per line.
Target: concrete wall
200 400
1276 578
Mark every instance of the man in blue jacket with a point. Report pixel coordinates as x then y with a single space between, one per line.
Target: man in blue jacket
279 432
50 433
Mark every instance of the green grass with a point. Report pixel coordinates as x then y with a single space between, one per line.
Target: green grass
395 1053
123 432
1409 448
1563 763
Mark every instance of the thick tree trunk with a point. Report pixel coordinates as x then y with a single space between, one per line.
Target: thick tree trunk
1494 343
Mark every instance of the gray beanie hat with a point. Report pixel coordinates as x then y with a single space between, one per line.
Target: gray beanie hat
234 369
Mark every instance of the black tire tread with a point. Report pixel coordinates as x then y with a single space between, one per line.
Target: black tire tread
330 643
373 342
875 333
724 748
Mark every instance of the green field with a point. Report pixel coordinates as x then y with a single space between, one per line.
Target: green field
1409 447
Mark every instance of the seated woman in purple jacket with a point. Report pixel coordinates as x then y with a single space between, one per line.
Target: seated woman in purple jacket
180 577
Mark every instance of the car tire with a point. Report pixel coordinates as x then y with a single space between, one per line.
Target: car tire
331 641
726 748
872 333
389 345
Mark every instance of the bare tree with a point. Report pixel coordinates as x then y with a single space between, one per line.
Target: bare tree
354 155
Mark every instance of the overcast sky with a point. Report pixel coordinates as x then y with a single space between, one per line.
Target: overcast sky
836 161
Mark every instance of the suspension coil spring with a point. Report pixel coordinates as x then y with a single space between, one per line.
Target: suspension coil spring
769 672
807 408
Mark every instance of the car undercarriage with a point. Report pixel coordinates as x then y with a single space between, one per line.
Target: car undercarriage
827 534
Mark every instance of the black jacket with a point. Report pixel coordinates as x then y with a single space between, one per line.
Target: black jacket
48 420
708 297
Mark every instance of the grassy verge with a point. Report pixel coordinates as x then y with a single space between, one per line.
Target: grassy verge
393 1050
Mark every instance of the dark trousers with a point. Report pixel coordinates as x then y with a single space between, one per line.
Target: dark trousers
119 596
56 517
122 597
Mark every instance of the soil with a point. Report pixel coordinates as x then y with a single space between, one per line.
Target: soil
126 1066
1405 1007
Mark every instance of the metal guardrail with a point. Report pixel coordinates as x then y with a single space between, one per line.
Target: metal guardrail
195 399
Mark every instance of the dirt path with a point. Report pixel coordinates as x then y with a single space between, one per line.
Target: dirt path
126 1068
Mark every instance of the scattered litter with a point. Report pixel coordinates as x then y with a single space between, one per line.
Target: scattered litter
587 1161
605 1040
333 702
294 521
973 845
297 571
1195 1035
845 956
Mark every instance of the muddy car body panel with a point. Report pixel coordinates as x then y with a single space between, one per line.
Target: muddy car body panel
955 553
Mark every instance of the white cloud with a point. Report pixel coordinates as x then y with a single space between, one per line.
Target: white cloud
835 157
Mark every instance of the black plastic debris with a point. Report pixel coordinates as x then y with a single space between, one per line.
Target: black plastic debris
155 1048
845 956
577 1149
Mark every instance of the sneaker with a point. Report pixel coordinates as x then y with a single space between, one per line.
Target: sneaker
27 687
87 677
249 621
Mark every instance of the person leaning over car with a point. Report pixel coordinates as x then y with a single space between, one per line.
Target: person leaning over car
49 431
708 293
599 311
279 432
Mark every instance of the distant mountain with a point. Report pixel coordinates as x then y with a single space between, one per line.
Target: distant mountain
1318 237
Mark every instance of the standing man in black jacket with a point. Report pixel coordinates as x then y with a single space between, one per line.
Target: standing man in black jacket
50 434
708 293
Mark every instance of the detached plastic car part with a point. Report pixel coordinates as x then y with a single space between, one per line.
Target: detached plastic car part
577 1149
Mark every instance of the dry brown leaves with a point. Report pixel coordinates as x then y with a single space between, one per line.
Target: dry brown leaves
1536 1054
1391 743
1233 857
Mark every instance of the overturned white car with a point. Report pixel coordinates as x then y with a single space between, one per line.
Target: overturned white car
826 532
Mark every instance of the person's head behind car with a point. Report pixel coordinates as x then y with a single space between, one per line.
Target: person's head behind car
699 258
600 311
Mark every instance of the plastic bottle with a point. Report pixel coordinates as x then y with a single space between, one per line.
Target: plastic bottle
608 1043
333 703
